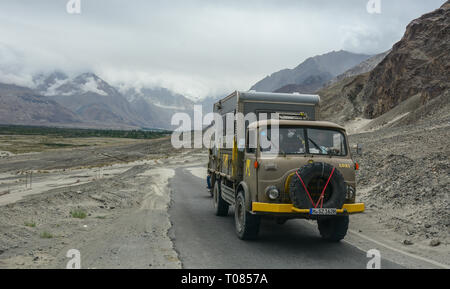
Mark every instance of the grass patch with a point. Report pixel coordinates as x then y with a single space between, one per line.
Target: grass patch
144 133
60 145
30 224
46 235
101 217
79 214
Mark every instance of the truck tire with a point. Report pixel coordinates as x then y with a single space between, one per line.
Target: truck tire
312 175
246 224
281 220
211 183
220 206
333 229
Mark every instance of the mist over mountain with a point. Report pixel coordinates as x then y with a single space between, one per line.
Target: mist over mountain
89 101
92 101
160 97
22 105
311 74
90 97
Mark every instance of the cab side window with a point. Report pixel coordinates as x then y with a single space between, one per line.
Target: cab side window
250 143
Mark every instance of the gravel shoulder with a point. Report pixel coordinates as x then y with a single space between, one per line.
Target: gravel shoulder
404 181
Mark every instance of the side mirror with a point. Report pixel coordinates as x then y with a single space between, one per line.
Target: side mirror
359 149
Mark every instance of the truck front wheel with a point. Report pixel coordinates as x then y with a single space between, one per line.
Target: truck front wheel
247 225
333 229
220 206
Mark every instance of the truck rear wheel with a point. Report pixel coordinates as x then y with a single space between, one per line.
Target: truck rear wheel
246 224
221 207
333 229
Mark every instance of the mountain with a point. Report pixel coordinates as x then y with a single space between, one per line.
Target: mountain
47 83
88 101
155 106
90 97
419 64
309 85
311 74
160 97
341 102
363 67
410 84
22 105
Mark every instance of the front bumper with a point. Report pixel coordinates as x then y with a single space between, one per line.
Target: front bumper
290 209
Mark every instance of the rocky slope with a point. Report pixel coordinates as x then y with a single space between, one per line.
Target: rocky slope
309 85
419 64
311 74
404 178
90 97
21 105
341 101
365 66
405 99
414 72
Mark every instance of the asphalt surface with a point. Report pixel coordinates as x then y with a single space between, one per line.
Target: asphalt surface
206 241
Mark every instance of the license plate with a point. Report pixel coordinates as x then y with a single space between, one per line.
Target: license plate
322 211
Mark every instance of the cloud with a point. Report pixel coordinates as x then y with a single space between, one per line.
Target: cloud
198 48
11 67
362 39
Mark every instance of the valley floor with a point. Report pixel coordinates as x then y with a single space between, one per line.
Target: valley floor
124 190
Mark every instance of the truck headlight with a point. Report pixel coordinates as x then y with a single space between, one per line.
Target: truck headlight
272 192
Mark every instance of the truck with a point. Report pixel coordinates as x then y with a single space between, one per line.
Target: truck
310 176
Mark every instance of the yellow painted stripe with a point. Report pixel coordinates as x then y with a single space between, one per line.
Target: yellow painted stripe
275 208
354 208
289 208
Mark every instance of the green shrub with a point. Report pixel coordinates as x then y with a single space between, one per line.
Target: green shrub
79 214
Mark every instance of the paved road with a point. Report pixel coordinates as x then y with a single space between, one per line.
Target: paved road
204 240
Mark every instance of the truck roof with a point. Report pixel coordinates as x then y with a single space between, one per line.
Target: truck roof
247 102
267 122
273 97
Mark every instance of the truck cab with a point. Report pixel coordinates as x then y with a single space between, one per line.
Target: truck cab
310 174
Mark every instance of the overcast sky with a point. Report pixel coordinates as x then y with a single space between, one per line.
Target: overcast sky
196 47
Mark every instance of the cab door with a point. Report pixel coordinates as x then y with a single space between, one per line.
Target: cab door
250 157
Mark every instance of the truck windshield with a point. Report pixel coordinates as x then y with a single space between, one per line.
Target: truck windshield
300 140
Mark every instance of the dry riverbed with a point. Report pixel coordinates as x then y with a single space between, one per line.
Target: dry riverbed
113 212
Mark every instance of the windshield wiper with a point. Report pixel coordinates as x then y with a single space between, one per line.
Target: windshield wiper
317 146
